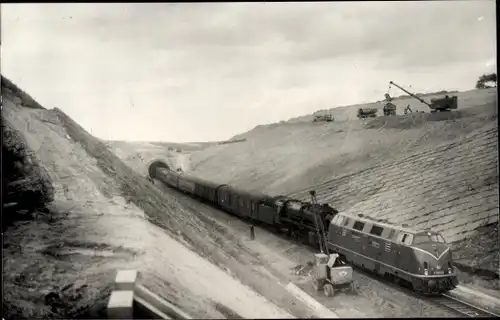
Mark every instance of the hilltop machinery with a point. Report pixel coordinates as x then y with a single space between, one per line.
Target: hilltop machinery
367 113
440 104
389 107
330 272
323 117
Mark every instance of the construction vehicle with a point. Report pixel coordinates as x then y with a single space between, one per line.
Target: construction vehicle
389 109
330 272
439 104
323 117
367 113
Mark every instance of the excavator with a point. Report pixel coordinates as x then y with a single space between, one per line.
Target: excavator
330 272
440 104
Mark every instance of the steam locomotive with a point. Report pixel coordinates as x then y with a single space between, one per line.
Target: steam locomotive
420 260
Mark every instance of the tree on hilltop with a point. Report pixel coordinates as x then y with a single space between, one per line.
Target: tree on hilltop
487 81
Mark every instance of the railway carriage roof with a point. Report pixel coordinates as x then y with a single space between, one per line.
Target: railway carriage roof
201 181
381 224
255 196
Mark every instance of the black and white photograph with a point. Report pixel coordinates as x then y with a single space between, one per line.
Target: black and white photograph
250 160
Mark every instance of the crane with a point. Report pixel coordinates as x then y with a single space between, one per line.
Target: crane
330 272
320 227
440 104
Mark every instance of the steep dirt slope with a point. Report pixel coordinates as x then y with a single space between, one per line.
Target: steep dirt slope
282 158
452 188
97 225
281 258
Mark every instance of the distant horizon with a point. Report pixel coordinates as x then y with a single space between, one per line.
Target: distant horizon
402 96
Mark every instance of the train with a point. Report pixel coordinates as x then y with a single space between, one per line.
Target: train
420 260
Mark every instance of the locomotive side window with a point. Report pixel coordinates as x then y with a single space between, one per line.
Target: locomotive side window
358 225
339 219
346 222
334 220
376 230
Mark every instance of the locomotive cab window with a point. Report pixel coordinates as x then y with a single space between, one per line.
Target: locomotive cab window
376 230
426 237
358 225
436 237
422 238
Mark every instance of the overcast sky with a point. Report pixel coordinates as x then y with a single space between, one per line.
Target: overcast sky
197 72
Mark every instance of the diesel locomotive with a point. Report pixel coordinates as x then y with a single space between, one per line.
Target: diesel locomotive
420 260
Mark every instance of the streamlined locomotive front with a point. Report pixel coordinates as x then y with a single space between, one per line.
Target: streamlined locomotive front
435 268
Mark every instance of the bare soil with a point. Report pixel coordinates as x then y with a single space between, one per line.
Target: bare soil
286 261
291 156
62 263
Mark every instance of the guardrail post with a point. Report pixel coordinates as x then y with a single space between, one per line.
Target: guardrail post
121 301
120 305
129 300
125 280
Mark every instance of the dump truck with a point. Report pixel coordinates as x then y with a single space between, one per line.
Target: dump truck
438 104
367 113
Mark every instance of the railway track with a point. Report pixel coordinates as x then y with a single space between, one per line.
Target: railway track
451 303
463 308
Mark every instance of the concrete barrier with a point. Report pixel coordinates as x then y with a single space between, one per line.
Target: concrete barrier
120 305
320 310
121 301
130 300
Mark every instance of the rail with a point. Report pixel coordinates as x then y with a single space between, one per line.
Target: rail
130 300
464 308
